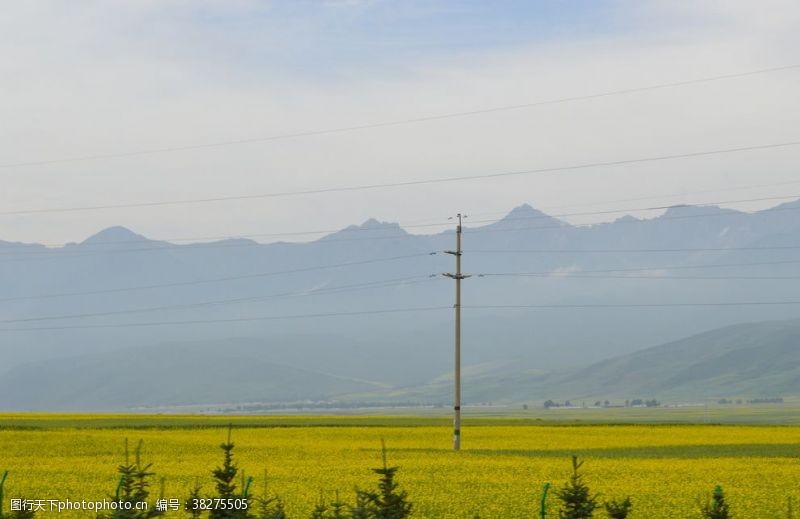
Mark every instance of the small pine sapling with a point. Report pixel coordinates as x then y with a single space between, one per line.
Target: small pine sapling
224 481
269 507
133 488
619 509
225 476
321 509
388 502
194 511
363 508
576 499
338 510
335 510
718 508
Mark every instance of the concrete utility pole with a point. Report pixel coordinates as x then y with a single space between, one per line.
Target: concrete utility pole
458 276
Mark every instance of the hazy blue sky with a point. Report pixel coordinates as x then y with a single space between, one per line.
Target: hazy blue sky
91 77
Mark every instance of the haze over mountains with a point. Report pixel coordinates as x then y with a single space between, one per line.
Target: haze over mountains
66 344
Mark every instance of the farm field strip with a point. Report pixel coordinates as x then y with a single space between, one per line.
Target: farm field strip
667 470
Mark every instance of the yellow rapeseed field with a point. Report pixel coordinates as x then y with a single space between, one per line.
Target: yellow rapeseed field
667 470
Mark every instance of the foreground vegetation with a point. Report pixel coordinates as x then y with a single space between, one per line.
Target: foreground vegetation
663 469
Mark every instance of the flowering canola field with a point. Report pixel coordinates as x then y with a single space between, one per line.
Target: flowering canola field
667 470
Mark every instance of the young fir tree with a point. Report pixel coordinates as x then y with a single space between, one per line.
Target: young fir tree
321 509
337 510
224 480
133 489
269 507
388 502
363 508
576 500
225 476
190 504
718 508
334 510
619 509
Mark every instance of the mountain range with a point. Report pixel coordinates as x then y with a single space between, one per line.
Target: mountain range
365 311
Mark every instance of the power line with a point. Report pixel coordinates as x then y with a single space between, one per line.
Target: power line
579 275
619 222
394 258
218 302
234 320
398 122
643 269
160 246
347 264
220 279
398 282
405 310
409 183
657 197
596 251
437 221
47 255
650 208
638 305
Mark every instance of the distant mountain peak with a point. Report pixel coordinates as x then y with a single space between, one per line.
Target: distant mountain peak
369 227
785 205
524 211
372 223
116 234
526 216
686 210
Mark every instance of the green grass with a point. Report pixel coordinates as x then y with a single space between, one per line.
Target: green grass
787 413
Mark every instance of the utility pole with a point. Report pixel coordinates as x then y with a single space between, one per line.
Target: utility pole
458 276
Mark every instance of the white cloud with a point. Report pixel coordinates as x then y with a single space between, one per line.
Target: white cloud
81 78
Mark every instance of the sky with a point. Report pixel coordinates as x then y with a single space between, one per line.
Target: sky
86 78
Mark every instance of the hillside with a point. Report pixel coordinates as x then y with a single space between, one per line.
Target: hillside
177 374
320 305
746 360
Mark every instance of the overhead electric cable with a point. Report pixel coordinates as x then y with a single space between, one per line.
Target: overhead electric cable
220 279
235 320
578 275
218 302
638 305
649 208
627 250
620 222
403 310
59 254
165 244
532 274
408 183
650 197
644 269
398 122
